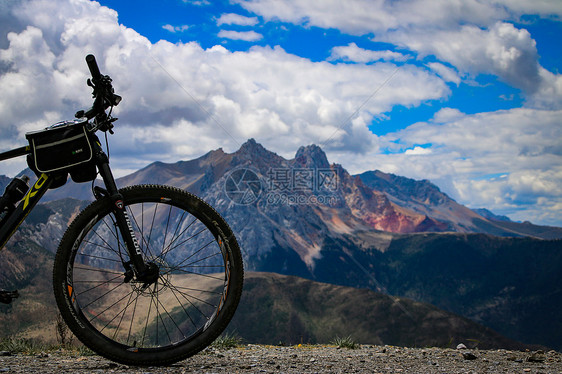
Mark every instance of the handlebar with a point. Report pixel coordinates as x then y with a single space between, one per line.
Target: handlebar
104 97
93 66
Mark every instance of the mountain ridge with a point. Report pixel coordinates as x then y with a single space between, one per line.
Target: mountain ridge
394 203
308 218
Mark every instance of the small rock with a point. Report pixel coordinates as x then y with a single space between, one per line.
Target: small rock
461 346
5 353
469 356
536 357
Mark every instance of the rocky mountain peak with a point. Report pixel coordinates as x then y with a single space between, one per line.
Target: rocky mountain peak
252 147
252 152
311 156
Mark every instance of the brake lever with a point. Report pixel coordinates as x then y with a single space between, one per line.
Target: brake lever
102 85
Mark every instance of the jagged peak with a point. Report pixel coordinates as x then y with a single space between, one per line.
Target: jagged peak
254 153
251 146
312 156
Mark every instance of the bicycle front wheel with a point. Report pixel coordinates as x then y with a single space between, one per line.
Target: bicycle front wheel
200 276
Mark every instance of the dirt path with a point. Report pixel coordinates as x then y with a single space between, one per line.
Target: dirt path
304 359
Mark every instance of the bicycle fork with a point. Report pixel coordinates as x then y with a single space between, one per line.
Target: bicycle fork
136 267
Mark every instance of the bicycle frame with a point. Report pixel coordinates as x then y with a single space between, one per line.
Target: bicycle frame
31 198
15 218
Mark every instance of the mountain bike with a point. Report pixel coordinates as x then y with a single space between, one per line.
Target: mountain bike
144 275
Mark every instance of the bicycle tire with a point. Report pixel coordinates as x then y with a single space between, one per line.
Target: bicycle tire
198 289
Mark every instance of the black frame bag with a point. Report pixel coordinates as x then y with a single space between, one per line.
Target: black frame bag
61 149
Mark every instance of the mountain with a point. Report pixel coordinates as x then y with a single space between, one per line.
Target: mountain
491 216
4 181
306 217
275 309
294 310
513 285
425 198
377 200
27 267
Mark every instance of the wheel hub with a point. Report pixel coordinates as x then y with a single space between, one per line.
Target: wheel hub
152 282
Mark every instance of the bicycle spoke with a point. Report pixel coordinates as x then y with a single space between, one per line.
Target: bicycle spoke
122 316
190 303
197 290
100 297
166 230
106 309
97 270
176 237
188 239
99 285
146 325
200 275
132 319
186 296
195 253
100 258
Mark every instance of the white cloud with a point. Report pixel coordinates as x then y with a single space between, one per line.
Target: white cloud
476 37
502 50
361 17
352 52
549 92
448 74
445 115
508 161
417 150
175 29
282 100
249 36
236 19
197 2
181 100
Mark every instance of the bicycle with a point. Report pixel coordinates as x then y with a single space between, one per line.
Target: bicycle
144 275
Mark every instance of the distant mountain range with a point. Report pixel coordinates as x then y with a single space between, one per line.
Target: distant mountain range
312 219
293 310
374 199
275 309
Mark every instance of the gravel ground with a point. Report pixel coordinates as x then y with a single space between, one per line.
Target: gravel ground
304 359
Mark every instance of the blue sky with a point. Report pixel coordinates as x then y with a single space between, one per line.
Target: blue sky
465 93
189 22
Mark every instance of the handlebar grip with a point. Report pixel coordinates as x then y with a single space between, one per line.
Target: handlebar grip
93 66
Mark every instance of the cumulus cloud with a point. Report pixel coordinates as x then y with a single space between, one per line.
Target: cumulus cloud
378 16
502 50
181 100
476 37
236 19
352 52
249 36
448 74
219 97
175 29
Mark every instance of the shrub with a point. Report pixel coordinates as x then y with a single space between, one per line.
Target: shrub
227 341
345 343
